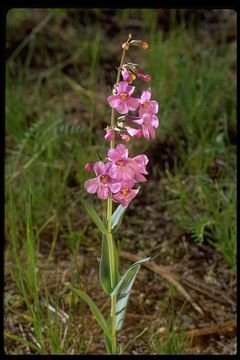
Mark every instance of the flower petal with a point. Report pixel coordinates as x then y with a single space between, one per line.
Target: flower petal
141 159
122 86
122 107
115 172
130 89
103 192
133 103
122 150
140 178
146 95
155 121
113 100
151 131
154 106
91 185
99 168
145 131
114 186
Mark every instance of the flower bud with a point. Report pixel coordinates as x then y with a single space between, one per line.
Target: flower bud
125 137
144 45
110 136
139 134
143 77
140 43
125 46
88 167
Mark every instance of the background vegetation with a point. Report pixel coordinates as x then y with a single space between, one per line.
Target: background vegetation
60 69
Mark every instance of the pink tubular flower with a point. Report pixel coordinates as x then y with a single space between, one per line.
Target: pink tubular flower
126 193
103 185
123 168
147 105
149 123
110 135
123 101
143 77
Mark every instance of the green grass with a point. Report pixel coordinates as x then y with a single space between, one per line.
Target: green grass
57 81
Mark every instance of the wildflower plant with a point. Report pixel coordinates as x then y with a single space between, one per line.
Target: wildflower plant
116 179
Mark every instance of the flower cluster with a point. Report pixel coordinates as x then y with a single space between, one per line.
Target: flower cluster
123 102
117 176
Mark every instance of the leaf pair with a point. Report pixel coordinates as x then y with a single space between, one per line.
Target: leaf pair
122 291
116 217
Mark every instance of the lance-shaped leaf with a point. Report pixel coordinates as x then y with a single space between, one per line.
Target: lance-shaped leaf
94 216
123 288
104 268
117 217
95 310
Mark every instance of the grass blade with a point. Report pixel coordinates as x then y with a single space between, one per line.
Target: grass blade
95 310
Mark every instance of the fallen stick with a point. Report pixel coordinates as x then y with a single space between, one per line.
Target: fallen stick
227 326
165 273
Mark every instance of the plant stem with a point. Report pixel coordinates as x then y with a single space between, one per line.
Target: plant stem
113 274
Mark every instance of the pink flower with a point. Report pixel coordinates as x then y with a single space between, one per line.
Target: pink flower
142 161
143 77
110 135
147 105
103 185
123 101
126 194
124 168
149 123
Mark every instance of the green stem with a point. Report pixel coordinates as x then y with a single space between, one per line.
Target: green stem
113 274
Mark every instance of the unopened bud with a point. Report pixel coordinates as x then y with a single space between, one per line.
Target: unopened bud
143 77
110 136
139 134
140 43
88 167
125 137
144 45
125 46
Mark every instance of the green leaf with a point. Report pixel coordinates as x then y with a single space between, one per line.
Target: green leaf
104 268
107 340
117 217
95 310
123 288
94 216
